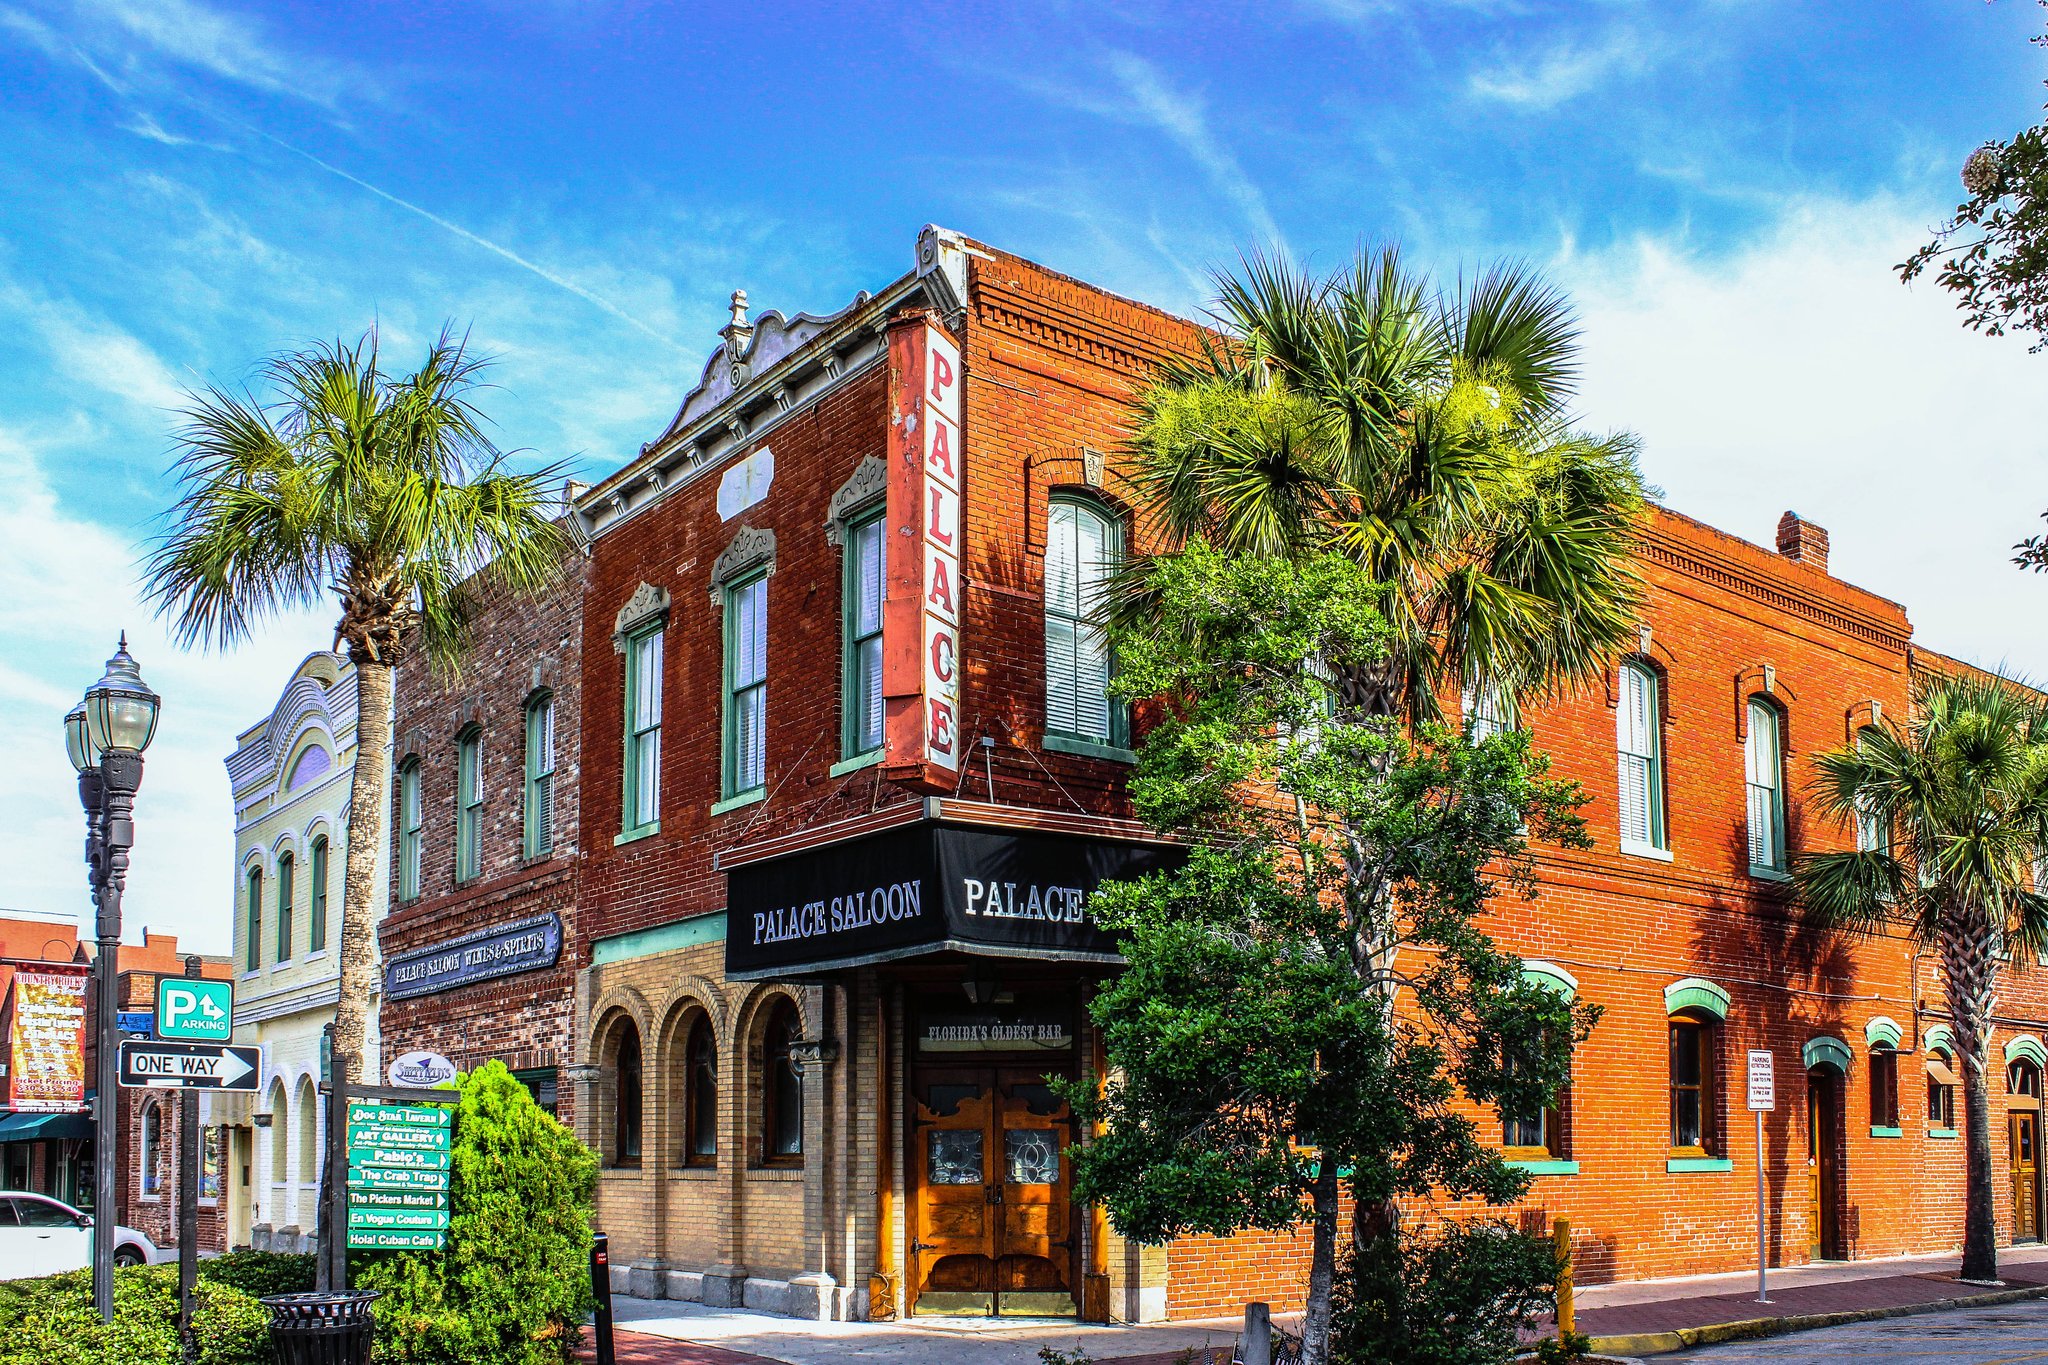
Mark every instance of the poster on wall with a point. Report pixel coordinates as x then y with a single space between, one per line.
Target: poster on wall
46 1064
209 1165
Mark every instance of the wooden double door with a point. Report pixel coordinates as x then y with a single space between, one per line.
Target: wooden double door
992 1228
2024 1150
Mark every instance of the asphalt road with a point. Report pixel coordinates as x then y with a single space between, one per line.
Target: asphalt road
2005 1335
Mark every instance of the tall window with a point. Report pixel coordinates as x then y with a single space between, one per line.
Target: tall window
316 922
626 1113
1082 547
643 731
746 686
469 805
1764 768
1870 831
409 833
1640 760
540 776
286 866
1486 713
153 1149
1692 1086
700 1096
1884 1088
254 912
863 606
782 1091
1538 1136
1941 1089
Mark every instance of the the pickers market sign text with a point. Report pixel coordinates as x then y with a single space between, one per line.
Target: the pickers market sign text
921 556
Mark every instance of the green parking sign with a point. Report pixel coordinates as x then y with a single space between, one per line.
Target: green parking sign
195 1011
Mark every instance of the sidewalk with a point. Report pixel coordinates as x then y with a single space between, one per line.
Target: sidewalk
1652 1316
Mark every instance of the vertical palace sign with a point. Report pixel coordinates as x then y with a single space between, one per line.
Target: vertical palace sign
921 605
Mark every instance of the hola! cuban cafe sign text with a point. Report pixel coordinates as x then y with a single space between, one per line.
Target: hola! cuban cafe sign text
921 606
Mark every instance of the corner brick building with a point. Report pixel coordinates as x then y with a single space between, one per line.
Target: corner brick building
847 774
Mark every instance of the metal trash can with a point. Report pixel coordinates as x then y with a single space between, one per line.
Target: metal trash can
321 1329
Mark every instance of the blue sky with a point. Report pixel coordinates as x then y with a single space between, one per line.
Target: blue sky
1723 186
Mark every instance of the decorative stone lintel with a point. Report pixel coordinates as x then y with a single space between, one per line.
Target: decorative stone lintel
869 481
751 548
648 603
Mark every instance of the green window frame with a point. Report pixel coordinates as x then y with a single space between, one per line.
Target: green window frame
316 921
253 958
746 686
410 833
861 667
1764 774
469 805
1871 834
539 812
1084 543
287 865
641 808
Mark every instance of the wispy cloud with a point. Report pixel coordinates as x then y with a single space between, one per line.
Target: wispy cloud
1565 71
91 351
223 45
145 126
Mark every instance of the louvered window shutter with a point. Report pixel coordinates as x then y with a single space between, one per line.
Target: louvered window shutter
1636 748
1761 763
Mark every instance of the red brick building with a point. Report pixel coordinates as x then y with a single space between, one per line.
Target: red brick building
848 772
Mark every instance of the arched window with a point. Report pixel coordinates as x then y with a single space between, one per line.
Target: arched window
1941 1089
280 1133
2023 1078
782 1090
152 1149
1764 771
1694 1041
1884 1089
1082 547
308 1117
626 1113
540 776
700 1095
287 866
1640 761
1870 831
316 922
409 829
469 804
253 912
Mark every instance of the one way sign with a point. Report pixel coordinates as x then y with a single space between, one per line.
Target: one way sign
189 1066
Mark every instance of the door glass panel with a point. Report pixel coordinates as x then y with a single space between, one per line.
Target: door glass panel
946 1097
1032 1156
953 1156
1036 1096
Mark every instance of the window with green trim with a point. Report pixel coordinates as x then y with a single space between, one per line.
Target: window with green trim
1871 835
316 921
469 805
1640 760
410 834
1538 1136
539 811
254 911
1082 546
1764 770
1884 1088
286 866
746 686
1941 1089
862 596
643 730
1693 1086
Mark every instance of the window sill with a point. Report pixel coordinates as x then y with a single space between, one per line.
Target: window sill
693 1173
746 798
1699 1165
1769 874
646 831
315 955
775 1173
1878 1130
1545 1167
1086 748
854 764
1636 850
1946 1134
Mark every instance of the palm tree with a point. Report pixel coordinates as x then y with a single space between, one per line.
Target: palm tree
1427 434
381 489
1963 791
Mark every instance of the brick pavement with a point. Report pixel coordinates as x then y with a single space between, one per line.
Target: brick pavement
1844 1296
644 1348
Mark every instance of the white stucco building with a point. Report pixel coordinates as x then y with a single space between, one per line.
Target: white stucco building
290 776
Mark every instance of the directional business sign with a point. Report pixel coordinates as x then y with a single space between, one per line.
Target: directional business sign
189 1066
398 1159
195 1011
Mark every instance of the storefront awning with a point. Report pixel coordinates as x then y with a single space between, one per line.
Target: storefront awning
927 888
44 1127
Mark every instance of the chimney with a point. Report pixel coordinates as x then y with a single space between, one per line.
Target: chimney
1802 541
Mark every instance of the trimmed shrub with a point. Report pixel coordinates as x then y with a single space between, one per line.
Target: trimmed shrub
51 1321
260 1273
1456 1294
512 1285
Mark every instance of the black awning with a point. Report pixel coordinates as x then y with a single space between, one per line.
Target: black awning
927 888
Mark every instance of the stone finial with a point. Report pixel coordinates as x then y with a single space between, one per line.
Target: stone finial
739 308
1802 541
737 334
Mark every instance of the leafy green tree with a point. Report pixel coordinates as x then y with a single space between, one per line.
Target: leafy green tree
512 1285
1309 995
1424 434
1959 798
381 489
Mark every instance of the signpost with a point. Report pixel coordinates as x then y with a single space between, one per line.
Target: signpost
1763 1098
398 1159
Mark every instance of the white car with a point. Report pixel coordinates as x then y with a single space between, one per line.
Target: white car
42 1236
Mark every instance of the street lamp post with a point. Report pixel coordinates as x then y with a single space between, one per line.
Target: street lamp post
104 736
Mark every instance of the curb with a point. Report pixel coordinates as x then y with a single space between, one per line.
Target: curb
1750 1329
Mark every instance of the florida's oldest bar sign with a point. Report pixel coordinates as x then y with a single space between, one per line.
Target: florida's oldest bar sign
921 608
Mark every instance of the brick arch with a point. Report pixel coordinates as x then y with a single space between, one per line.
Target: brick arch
616 1003
741 1052
687 994
692 998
